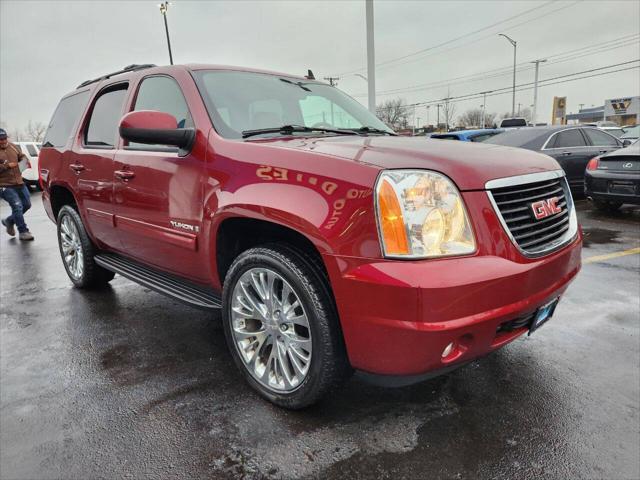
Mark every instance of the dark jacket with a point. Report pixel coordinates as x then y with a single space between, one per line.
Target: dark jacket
10 176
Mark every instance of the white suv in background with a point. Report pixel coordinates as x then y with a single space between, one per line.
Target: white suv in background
29 168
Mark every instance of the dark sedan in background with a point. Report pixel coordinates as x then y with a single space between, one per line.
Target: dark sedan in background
614 179
572 147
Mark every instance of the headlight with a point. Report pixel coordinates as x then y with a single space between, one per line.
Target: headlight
421 214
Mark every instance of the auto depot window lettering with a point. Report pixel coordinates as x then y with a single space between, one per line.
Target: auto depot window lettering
239 101
107 111
64 119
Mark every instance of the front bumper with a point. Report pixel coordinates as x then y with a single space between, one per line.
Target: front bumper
397 317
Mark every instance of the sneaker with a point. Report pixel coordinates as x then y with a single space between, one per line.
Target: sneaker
25 236
9 227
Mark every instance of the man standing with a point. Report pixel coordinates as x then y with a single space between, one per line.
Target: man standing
12 188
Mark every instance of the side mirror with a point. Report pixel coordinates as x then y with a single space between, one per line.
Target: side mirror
156 128
626 142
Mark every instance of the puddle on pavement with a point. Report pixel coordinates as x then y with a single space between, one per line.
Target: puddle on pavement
599 236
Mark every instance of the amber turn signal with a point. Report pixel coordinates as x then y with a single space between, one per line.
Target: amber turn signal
392 224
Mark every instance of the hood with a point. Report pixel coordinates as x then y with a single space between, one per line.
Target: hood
470 165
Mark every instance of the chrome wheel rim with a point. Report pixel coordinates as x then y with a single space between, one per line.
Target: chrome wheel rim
71 247
271 330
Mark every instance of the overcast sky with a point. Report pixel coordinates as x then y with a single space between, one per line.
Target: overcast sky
47 47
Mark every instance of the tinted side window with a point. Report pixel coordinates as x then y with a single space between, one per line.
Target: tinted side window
569 138
64 119
163 94
107 111
600 138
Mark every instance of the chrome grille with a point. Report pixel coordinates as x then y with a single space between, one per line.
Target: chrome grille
513 204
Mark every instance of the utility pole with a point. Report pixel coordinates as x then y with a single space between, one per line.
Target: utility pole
580 105
513 96
519 108
333 81
484 108
534 115
164 6
438 124
428 107
371 57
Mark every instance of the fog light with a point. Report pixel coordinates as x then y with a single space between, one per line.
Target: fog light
447 350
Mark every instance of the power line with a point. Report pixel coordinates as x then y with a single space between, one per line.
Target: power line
541 83
525 66
390 61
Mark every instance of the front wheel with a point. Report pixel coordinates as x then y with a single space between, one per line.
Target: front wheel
77 251
281 326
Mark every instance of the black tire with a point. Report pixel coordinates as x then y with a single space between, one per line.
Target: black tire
607 206
329 366
93 275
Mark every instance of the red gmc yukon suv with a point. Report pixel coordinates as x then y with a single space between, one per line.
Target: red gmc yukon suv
329 243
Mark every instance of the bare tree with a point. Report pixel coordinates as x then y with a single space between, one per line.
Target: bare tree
449 111
473 118
16 135
36 130
394 113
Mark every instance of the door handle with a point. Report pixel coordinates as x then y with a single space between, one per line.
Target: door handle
124 174
77 167
564 154
604 151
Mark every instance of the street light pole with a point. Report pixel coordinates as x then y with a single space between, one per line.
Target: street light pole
534 117
371 57
164 6
428 107
513 96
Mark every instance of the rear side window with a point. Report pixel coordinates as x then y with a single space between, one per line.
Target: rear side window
32 150
568 139
163 94
599 138
105 117
64 119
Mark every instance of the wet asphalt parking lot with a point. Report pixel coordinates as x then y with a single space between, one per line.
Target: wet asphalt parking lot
125 383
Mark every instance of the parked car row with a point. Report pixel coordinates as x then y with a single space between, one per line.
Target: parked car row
591 157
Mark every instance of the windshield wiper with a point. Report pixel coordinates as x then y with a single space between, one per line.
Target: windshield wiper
289 129
374 130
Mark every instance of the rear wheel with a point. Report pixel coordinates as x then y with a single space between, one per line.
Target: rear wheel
77 251
607 206
281 326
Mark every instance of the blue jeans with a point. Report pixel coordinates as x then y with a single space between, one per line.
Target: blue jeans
20 201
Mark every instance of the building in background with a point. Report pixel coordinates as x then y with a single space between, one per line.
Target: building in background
621 111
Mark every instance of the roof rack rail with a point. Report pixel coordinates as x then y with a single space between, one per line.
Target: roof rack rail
128 68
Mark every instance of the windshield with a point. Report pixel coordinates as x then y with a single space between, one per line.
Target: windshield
243 101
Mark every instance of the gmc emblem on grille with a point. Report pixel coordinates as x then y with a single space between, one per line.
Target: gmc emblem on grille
545 208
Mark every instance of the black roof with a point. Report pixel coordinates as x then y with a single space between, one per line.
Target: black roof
531 138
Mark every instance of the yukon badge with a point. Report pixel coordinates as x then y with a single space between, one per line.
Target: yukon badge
545 208
184 226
